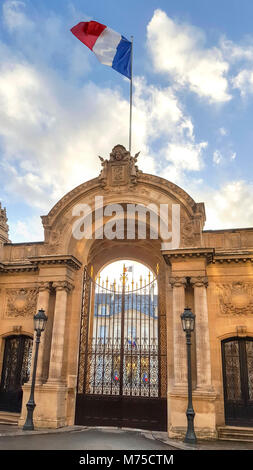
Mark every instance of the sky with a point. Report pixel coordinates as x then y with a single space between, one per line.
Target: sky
192 103
140 275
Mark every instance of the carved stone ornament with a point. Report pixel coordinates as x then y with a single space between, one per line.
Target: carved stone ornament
4 228
63 285
21 302
199 281
177 281
236 298
43 286
188 237
120 169
56 236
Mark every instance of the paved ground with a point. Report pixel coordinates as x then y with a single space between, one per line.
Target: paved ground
85 438
88 439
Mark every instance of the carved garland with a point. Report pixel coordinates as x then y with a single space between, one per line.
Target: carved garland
21 302
236 298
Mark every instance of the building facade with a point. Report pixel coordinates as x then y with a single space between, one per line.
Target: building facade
211 271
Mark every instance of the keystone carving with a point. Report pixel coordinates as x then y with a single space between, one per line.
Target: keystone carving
120 170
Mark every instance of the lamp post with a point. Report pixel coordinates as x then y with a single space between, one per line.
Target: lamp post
40 320
188 324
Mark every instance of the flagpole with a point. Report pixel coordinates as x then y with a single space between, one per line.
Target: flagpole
131 96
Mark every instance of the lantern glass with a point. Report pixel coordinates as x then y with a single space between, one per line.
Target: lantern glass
40 320
188 320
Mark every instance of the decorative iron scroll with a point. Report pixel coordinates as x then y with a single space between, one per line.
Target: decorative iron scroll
232 370
84 332
122 353
17 363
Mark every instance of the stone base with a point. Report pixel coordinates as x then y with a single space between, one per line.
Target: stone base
50 410
204 407
202 433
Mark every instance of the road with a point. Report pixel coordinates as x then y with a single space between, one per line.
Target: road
90 439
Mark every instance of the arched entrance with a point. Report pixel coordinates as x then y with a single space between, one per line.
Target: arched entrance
119 381
237 360
15 371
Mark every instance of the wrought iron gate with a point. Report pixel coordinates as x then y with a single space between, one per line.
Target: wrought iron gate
120 358
15 371
237 355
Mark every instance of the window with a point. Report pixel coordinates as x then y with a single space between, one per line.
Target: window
102 333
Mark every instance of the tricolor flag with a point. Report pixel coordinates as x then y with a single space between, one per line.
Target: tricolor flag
128 269
111 48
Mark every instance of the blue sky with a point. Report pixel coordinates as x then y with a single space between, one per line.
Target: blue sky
193 103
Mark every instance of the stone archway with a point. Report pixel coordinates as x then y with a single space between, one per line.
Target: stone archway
63 257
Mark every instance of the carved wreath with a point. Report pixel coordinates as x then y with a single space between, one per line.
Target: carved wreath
21 302
236 298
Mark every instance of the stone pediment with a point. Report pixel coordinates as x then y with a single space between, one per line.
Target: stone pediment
120 169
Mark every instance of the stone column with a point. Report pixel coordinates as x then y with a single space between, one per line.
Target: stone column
42 303
180 360
203 356
57 346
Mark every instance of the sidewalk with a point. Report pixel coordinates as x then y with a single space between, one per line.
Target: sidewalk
13 431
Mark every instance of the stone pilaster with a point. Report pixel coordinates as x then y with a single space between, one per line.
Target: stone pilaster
203 356
179 347
42 303
57 346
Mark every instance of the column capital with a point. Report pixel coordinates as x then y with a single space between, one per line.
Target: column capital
63 285
44 286
177 281
199 281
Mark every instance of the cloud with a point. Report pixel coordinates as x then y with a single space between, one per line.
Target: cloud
53 126
237 52
223 131
52 131
244 82
29 228
14 15
231 206
240 57
46 40
179 51
217 157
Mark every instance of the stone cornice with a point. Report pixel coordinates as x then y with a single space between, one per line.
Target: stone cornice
241 256
65 260
16 267
211 254
182 253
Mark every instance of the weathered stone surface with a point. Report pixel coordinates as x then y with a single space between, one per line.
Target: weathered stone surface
211 272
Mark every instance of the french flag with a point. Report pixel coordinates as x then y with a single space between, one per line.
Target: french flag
111 48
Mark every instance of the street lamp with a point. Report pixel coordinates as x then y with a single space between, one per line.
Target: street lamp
40 320
188 324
